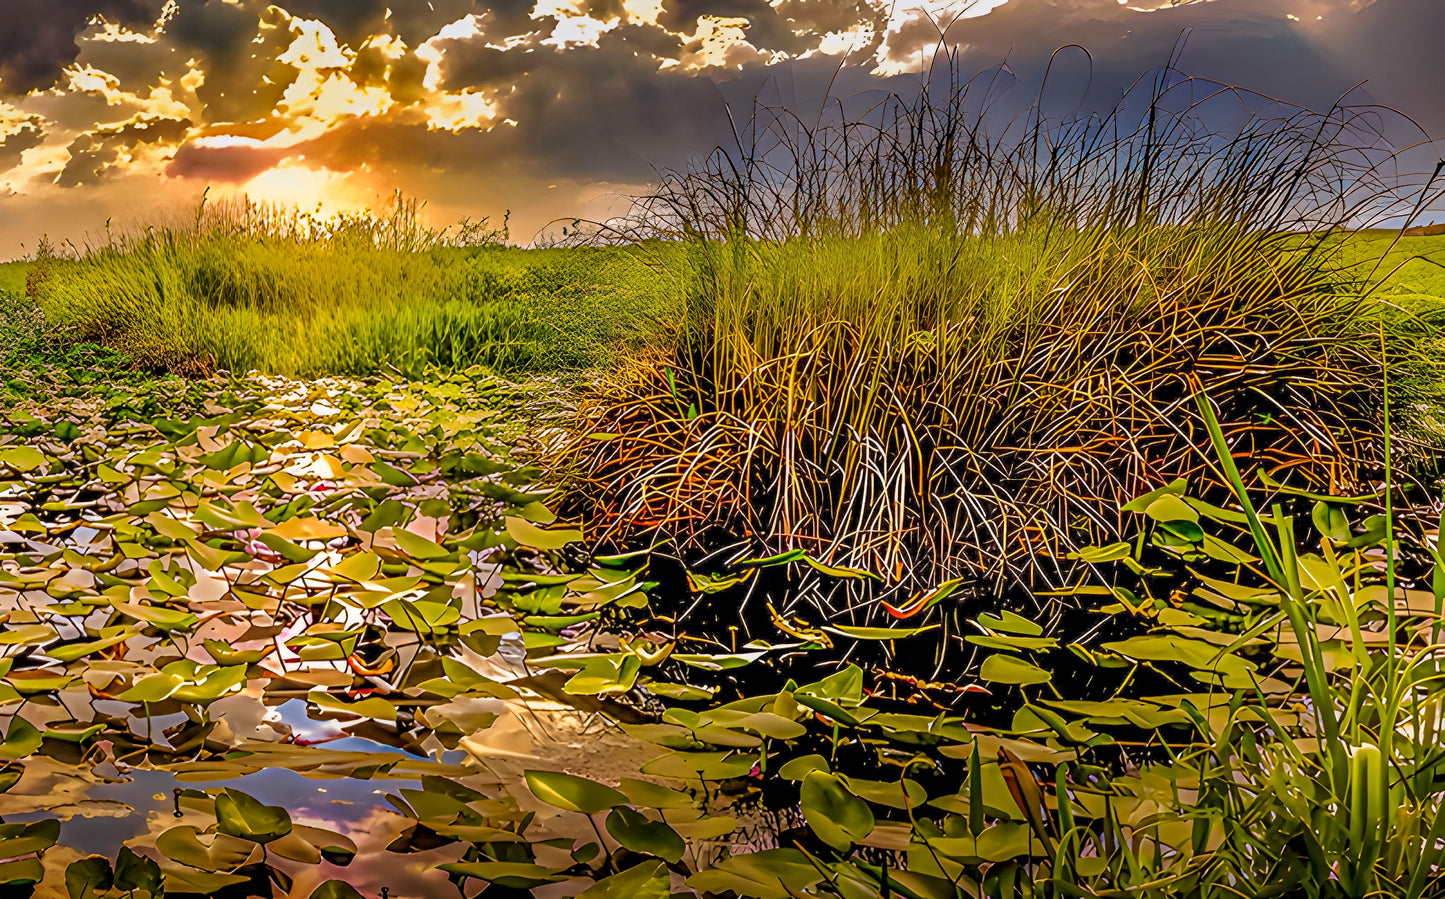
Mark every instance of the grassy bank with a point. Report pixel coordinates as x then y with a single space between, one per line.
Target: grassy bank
250 288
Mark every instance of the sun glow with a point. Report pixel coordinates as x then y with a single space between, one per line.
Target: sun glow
296 184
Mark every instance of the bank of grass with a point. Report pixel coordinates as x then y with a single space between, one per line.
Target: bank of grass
944 354
12 278
250 288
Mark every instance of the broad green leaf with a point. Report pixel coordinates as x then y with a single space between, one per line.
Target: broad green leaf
182 844
1010 622
72 651
1097 555
769 874
199 883
419 547
1173 648
839 818
1171 508
21 458
161 617
636 832
23 839
152 688
840 571
239 815
1187 531
291 552
336 889
299 529
86 877
529 535
508 875
1331 521
648 880
608 674
1173 488
1226 552
1011 642
792 555
1005 669
878 633
421 616
646 794
572 793
21 872
21 740
136 873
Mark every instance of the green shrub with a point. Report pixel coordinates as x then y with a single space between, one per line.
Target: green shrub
920 348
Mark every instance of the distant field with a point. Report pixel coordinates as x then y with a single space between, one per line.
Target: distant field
1414 266
242 304
12 278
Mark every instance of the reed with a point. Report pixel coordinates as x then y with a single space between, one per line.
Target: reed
932 341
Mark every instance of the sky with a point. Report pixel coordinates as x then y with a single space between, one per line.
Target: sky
129 109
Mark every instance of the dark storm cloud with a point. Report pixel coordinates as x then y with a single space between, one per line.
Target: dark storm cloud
584 113
222 165
38 37
473 64
647 96
1397 44
353 21
13 145
767 29
238 46
93 155
1249 43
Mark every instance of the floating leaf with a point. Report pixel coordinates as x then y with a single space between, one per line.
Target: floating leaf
1169 508
769 874
575 794
1006 669
839 818
1097 555
21 740
528 534
159 616
840 571
21 872
636 832
86 877
1010 622
239 815
419 547
648 880
1173 488
878 633
507 875
336 889
21 458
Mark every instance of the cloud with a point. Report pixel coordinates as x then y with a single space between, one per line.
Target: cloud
482 102
94 154
13 145
38 39
232 161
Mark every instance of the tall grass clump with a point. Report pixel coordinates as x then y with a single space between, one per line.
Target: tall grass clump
246 286
934 340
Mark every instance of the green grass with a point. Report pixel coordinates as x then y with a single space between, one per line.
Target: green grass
12 278
279 298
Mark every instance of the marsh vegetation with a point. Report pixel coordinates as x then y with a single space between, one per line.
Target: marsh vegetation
951 504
